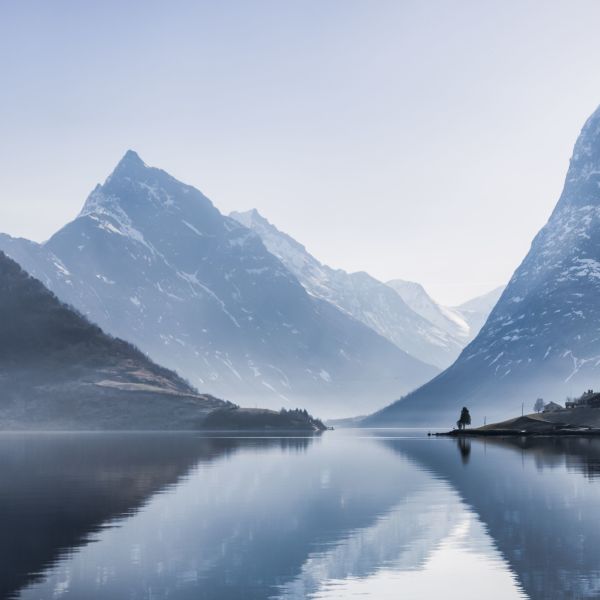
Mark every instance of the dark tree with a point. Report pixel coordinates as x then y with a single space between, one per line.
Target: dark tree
465 418
539 405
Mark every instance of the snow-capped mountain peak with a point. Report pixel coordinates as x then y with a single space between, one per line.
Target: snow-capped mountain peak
462 322
420 301
152 260
542 339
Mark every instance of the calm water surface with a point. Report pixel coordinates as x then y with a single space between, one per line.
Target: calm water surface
381 514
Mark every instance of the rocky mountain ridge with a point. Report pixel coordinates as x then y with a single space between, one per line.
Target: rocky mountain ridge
151 260
543 336
359 295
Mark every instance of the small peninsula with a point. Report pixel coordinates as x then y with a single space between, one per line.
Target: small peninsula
234 418
579 416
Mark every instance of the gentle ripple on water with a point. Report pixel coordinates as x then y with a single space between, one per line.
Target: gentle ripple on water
370 514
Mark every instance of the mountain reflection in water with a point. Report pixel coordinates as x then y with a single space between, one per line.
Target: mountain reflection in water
369 515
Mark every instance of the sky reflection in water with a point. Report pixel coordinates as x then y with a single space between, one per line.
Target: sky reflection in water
377 515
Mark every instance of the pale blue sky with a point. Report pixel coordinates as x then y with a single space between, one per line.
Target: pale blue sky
422 140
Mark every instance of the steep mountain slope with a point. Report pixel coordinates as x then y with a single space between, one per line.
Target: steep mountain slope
151 260
422 303
359 295
60 371
462 322
476 311
543 336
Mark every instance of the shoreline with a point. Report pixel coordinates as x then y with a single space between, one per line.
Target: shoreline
558 423
559 432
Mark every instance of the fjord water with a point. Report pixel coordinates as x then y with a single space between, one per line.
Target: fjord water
379 514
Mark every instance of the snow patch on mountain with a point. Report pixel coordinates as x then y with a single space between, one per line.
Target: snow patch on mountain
359 295
151 260
542 338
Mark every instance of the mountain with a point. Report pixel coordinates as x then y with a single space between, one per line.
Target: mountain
543 336
358 295
151 260
448 320
477 310
463 322
59 371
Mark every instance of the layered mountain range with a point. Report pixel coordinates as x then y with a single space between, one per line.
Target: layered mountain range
59 371
151 260
462 322
409 318
543 336
359 295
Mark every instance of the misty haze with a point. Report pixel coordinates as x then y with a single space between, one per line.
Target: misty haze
300 300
